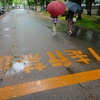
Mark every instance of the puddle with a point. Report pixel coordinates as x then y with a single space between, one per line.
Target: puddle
17 65
6 35
6 29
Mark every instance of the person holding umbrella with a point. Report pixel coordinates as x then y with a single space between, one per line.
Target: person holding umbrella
55 8
70 23
72 8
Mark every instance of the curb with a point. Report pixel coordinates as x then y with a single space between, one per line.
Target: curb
86 33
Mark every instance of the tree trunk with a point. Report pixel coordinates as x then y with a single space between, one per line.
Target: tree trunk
79 16
88 6
99 10
28 3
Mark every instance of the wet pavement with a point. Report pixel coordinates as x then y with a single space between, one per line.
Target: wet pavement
80 32
38 66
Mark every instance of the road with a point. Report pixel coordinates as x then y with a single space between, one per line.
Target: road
34 65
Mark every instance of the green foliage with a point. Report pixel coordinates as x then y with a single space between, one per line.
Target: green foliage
31 2
0 3
48 0
17 1
89 22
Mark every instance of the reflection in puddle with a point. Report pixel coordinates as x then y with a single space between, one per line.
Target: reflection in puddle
17 66
7 35
6 29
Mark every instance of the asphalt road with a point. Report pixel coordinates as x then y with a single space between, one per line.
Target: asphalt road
34 65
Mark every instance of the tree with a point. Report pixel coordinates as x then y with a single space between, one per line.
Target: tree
99 11
3 3
9 2
30 3
89 5
47 2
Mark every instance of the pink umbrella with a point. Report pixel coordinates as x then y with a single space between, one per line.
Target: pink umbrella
56 8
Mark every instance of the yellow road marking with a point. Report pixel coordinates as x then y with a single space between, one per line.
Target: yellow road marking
94 54
47 84
61 60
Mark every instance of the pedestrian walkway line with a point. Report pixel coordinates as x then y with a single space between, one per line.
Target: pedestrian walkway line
47 84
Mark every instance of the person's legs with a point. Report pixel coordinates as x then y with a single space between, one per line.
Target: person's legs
70 26
54 29
70 32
